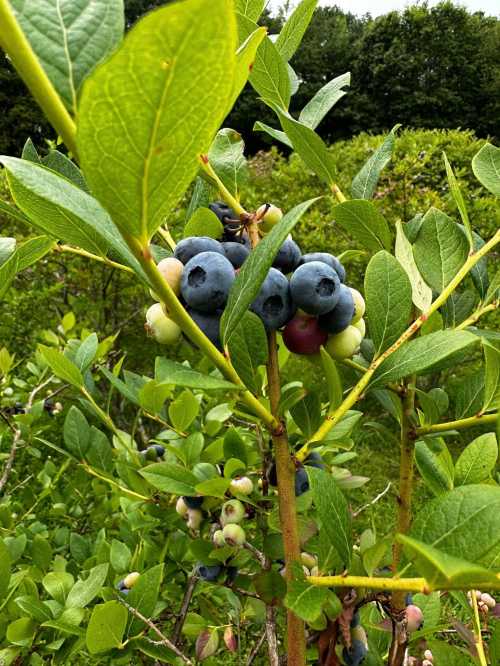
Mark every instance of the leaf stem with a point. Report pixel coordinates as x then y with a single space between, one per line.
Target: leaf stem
22 56
391 584
359 388
460 424
478 637
470 321
209 171
164 232
94 257
337 192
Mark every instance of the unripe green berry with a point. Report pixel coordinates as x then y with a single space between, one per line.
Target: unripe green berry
359 305
194 518
344 344
131 579
232 512
8 392
181 507
242 485
308 560
234 535
269 215
164 330
218 539
361 326
171 270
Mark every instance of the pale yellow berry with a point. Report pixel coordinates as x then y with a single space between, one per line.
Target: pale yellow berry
344 344
359 305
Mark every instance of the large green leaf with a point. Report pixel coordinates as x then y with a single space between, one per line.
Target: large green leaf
69 37
278 135
83 591
269 75
445 654
424 353
388 296
306 600
457 195
292 32
333 512
32 251
7 248
253 272
170 478
477 461
245 59
364 183
248 350
148 113
491 377
63 211
326 97
62 367
464 523
362 220
421 292
144 595
440 250
170 372
435 465
226 155
106 627
8 272
486 167
250 8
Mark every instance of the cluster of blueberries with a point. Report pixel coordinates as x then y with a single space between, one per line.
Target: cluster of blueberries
314 459
304 295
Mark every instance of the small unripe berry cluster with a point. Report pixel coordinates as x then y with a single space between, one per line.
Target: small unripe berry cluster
189 508
485 602
152 453
126 584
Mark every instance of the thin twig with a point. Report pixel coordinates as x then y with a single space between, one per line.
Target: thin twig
272 642
256 553
253 654
181 617
10 460
36 390
374 500
163 639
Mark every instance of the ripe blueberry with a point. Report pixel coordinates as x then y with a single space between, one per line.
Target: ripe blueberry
223 211
314 459
160 450
209 324
274 302
355 655
206 281
234 535
341 316
302 335
356 620
344 344
231 573
236 253
326 258
288 257
209 573
359 305
188 248
315 288
301 482
269 215
162 328
193 502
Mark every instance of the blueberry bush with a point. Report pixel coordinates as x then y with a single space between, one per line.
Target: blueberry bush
203 510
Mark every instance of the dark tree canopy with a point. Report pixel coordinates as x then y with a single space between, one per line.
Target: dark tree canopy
424 67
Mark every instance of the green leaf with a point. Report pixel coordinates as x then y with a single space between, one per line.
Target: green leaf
250 8
440 250
423 354
143 597
65 212
491 377
30 152
456 193
477 461
183 410
269 75
58 584
307 414
76 433
207 644
84 591
494 644
87 352
248 350
306 600
468 396
310 146
63 165
245 58
5 564
106 627
388 297
292 32
170 478
464 522
7 248
362 220
421 292
335 389
203 222
213 487
457 308
170 372
435 465
32 250
226 155
493 292
7 273
131 107
441 570
486 168
119 556
278 135
62 367
152 396
333 513
34 608
326 97
270 586
445 654
364 183
234 446
253 272
479 272
69 39
21 632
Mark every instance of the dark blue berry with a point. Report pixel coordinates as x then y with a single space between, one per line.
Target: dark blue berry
341 316
301 482
209 573
160 450
236 253
188 248
223 211
209 324
314 459
231 573
288 257
274 302
315 288
206 281
326 258
356 620
193 502
355 655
